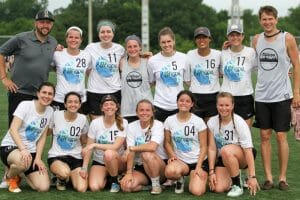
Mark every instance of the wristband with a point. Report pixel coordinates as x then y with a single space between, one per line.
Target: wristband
83 168
252 176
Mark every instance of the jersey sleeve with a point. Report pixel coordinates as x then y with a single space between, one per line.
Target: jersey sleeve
22 109
158 133
130 135
243 130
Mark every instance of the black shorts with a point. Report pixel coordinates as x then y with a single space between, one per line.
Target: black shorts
61 106
94 100
6 150
205 105
244 106
161 114
131 118
220 163
276 116
14 99
204 167
72 162
97 163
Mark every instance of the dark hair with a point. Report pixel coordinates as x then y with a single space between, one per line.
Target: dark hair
166 31
118 118
225 95
152 118
47 84
72 93
270 10
188 93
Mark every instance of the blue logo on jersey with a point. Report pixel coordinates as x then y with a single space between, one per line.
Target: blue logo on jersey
139 140
104 68
204 77
182 143
32 131
169 77
104 139
72 74
64 141
219 141
232 72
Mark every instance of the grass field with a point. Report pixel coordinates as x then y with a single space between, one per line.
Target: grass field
293 177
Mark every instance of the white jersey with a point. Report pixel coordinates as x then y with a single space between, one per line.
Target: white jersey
185 137
168 73
66 135
103 135
135 87
104 77
228 134
237 68
137 136
205 71
70 72
33 125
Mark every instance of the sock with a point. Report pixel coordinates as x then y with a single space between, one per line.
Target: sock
236 180
114 179
155 181
181 179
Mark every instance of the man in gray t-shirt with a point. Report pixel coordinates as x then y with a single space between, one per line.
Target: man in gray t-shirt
33 52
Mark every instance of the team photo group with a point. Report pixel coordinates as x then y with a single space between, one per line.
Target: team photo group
124 120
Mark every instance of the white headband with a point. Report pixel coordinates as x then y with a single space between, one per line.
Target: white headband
74 28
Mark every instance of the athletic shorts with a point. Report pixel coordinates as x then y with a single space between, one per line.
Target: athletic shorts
97 163
220 163
72 162
6 150
276 116
94 100
161 114
204 167
14 99
61 106
244 106
205 105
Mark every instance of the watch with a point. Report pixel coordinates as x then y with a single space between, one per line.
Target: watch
252 176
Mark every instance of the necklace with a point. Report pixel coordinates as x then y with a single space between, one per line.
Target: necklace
269 36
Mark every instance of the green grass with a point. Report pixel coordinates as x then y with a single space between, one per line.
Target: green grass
292 175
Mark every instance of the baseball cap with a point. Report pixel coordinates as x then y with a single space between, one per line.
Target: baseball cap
235 28
202 31
44 14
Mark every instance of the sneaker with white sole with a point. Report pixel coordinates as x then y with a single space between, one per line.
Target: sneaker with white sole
115 187
235 191
13 184
3 184
179 186
61 185
156 190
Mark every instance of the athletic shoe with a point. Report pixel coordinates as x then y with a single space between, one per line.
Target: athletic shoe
3 184
235 191
156 190
283 185
179 186
168 183
61 185
267 185
115 187
13 184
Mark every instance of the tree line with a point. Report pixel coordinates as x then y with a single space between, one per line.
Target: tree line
183 17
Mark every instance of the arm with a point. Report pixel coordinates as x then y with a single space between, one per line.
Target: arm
86 154
39 152
147 147
294 56
115 146
202 137
212 154
168 146
252 181
8 84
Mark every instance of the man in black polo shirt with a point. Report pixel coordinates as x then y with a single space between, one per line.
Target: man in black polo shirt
33 52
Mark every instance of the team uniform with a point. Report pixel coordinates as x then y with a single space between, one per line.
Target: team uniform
168 73
273 92
71 71
135 87
33 125
104 77
185 138
236 132
103 135
138 136
66 145
237 68
205 83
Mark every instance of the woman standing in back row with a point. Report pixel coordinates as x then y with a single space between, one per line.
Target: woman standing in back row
105 76
168 70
